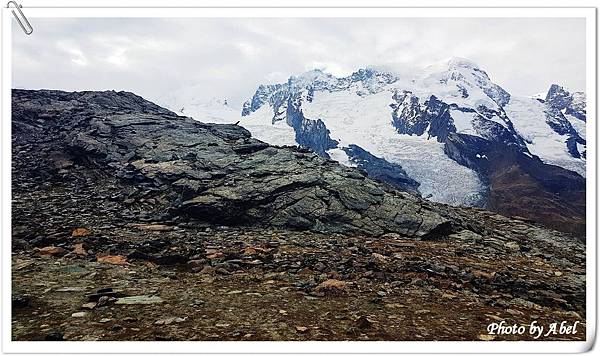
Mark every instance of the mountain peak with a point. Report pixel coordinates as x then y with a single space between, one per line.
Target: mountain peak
450 64
571 103
558 95
459 62
310 76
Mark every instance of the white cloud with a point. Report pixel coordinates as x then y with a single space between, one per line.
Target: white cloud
230 57
76 55
330 67
248 49
276 77
118 57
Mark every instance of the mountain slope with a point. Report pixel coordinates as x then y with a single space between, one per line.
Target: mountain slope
117 201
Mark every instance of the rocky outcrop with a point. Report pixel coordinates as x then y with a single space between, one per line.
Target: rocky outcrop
569 103
262 96
212 173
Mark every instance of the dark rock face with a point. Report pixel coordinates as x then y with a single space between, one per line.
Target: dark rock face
411 118
521 184
212 173
311 134
381 170
407 116
261 96
468 151
314 135
441 123
560 99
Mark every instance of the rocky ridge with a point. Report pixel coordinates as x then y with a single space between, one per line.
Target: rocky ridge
214 173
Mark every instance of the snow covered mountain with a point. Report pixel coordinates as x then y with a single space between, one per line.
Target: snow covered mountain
446 132
406 120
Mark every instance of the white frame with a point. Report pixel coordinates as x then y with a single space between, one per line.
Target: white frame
10 346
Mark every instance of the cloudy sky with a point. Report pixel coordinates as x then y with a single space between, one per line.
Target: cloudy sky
230 57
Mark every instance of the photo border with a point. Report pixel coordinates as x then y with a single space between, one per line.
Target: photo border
10 346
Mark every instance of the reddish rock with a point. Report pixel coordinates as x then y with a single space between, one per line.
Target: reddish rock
52 251
333 287
81 232
215 255
79 250
113 260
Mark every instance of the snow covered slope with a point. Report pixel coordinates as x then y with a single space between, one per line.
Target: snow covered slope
529 117
366 122
215 110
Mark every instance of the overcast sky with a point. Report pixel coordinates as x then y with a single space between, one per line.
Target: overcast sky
230 57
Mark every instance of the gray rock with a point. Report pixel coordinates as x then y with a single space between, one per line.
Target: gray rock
233 179
139 299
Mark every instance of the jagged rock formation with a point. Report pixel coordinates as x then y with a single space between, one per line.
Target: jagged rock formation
561 104
571 103
215 173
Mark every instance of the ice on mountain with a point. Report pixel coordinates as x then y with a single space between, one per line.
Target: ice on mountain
463 121
262 126
366 121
